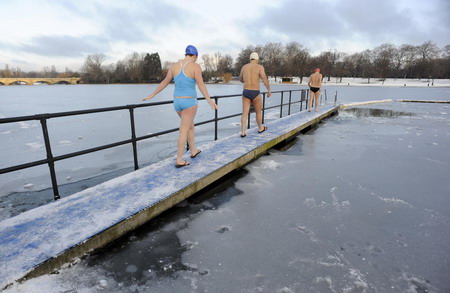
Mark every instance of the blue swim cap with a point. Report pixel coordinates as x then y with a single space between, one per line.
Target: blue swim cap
191 50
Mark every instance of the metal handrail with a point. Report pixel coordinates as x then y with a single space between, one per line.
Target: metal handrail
50 160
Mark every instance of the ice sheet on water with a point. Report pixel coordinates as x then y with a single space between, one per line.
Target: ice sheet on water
395 201
65 142
35 146
343 252
27 125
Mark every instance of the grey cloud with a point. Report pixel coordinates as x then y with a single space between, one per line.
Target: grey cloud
299 19
139 26
65 46
379 21
129 25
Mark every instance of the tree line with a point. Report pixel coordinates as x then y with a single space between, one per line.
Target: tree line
291 60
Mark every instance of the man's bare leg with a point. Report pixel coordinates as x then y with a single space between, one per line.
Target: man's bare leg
257 105
245 110
311 97
316 102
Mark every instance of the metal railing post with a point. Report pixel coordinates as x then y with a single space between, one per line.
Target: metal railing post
307 100
281 105
216 119
51 162
289 107
263 107
302 99
133 138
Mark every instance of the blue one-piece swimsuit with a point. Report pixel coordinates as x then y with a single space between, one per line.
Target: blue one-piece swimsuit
184 87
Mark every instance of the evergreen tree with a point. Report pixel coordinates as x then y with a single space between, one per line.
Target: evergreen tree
152 68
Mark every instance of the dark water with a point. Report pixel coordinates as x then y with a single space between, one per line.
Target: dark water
360 204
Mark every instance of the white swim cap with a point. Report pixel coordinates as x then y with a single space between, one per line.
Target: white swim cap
254 56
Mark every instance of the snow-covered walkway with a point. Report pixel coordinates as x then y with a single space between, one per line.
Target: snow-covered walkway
40 240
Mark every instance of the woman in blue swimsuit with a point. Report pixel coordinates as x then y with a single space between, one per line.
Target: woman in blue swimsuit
186 74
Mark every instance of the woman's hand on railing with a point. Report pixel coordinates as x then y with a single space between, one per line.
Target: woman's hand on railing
213 105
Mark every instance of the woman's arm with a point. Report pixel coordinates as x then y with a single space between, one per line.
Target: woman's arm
161 86
202 87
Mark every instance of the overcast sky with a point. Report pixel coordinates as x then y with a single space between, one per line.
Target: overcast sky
38 33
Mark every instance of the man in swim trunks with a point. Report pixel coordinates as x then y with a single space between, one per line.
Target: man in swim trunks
314 83
186 74
251 74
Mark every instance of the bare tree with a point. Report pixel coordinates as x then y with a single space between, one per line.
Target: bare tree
166 66
6 72
428 50
243 58
92 68
225 65
343 66
209 66
383 60
296 59
327 62
273 59
135 67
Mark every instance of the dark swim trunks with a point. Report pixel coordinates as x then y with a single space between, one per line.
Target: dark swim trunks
250 94
314 89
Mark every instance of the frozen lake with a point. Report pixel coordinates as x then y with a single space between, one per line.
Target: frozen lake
360 204
23 142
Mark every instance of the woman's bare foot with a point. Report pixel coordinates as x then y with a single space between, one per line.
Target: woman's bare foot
194 154
182 163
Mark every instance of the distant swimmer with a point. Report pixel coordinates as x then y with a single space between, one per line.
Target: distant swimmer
314 83
251 74
186 74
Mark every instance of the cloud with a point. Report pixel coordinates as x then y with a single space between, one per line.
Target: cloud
67 31
128 21
351 25
65 46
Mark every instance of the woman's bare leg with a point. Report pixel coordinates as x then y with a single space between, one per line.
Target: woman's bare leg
186 132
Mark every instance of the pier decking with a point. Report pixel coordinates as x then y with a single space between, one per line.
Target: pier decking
43 239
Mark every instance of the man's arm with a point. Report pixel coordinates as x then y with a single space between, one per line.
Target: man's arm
241 75
262 74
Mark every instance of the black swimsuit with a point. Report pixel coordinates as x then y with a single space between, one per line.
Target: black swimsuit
314 89
250 94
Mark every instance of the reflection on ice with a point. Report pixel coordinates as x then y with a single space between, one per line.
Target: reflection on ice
368 112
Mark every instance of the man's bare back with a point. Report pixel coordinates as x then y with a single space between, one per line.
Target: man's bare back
251 74
315 80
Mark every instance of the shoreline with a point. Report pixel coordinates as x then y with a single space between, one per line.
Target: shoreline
374 82
346 81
